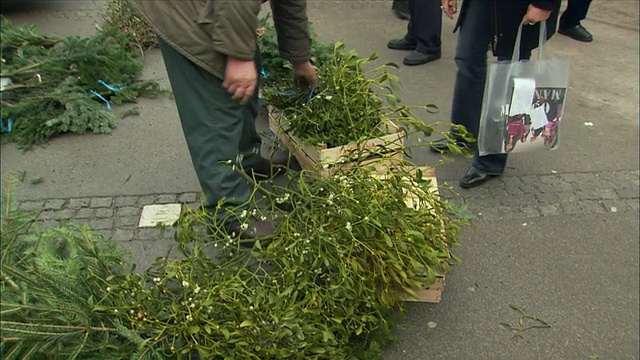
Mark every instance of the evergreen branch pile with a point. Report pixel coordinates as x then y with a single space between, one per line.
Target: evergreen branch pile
59 85
54 297
120 16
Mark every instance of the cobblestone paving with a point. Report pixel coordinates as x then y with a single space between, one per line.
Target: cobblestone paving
533 196
507 197
117 217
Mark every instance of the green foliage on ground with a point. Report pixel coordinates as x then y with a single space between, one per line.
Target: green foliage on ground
53 301
344 256
56 83
119 16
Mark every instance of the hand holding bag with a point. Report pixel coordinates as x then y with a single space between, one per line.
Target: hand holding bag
523 102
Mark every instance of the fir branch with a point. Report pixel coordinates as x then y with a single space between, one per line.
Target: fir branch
51 86
71 329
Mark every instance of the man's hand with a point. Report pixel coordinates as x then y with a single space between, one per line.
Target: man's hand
304 75
535 15
240 79
449 7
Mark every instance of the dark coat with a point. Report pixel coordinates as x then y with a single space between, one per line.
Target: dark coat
507 16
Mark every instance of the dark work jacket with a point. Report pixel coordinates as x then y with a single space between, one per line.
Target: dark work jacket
507 16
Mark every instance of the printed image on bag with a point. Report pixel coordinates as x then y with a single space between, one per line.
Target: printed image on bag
537 128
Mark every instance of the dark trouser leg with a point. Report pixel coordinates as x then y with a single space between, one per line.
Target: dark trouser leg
425 25
576 11
471 59
213 126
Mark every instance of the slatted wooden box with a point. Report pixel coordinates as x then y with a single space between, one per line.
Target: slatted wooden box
325 160
432 294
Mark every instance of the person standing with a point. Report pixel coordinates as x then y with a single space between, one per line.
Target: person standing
570 25
423 35
484 23
210 53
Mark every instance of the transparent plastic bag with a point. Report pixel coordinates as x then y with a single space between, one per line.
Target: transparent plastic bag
523 102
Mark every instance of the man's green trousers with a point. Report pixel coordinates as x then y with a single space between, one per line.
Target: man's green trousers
219 131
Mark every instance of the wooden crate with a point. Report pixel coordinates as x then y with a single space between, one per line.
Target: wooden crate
432 294
325 160
428 173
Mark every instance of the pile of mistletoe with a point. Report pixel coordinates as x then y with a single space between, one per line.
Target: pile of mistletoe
53 85
346 254
353 100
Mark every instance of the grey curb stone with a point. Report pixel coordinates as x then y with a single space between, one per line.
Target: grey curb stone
154 233
633 204
165 199
530 211
128 211
629 192
125 201
571 209
547 198
549 209
187 198
54 204
104 212
101 202
67 214
31 205
78 203
126 222
122 235
506 197
86 213
101 224
592 206
614 205
47 224
146 200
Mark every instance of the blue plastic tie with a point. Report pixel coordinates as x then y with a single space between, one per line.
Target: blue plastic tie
310 95
9 126
110 87
264 73
93 92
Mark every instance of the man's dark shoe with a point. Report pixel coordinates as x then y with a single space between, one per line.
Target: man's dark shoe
267 168
418 58
401 44
256 230
474 177
401 9
577 32
440 145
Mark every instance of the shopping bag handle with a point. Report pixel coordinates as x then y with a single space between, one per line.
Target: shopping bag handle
542 40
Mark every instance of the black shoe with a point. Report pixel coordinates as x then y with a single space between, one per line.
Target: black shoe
257 230
440 146
418 58
401 9
577 32
401 44
474 177
267 168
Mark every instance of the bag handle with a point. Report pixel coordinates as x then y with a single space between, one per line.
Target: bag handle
542 40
